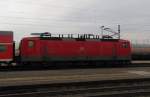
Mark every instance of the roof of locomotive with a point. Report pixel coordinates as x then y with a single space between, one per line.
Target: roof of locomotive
74 39
70 37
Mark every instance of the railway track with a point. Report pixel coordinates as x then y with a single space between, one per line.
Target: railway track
109 88
64 66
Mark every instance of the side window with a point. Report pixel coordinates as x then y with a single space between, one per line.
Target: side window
31 44
125 45
2 48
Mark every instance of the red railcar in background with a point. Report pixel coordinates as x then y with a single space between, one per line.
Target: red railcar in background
6 46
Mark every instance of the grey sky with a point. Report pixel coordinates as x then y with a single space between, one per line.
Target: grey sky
76 16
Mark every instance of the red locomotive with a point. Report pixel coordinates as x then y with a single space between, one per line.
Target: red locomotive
40 49
47 48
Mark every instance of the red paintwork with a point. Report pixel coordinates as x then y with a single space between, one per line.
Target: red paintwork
26 51
6 40
121 52
72 48
8 54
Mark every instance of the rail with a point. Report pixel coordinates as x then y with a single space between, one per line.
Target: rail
109 88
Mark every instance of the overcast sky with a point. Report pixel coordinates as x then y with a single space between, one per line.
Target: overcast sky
76 16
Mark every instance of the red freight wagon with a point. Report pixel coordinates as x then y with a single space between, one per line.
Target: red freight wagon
6 46
44 49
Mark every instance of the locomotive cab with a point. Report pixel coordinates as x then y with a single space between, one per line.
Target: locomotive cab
125 50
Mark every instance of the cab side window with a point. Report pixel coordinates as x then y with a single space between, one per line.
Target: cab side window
125 45
2 48
31 44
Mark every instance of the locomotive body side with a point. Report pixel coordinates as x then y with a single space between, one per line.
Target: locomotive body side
34 49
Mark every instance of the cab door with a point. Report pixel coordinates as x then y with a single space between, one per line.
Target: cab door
114 51
44 51
109 51
31 47
33 51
